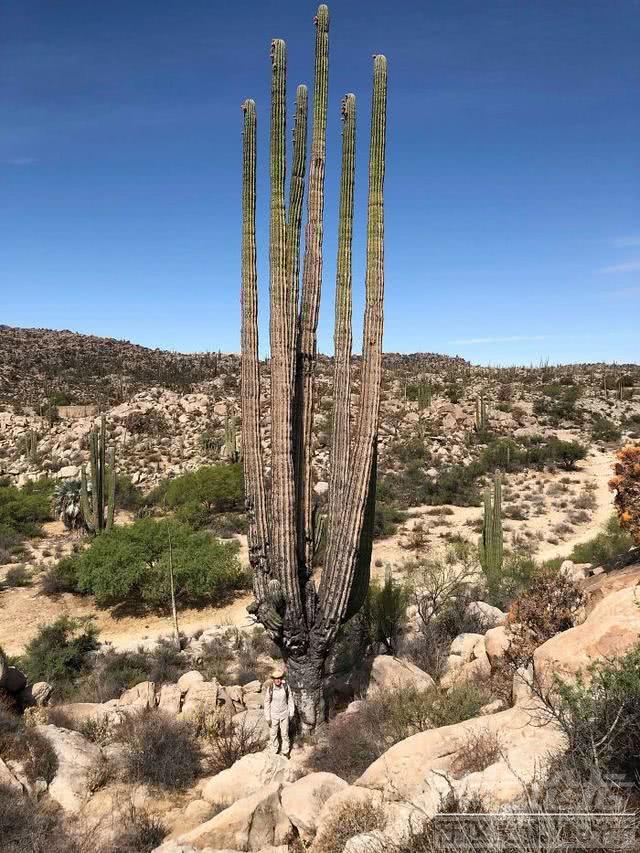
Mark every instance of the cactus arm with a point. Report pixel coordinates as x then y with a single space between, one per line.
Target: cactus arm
294 218
341 440
310 304
255 498
283 543
337 579
84 499
363 564
111 505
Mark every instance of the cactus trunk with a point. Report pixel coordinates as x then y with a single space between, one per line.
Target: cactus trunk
303 622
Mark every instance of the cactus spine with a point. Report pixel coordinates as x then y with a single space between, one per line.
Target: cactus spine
97 498
303 620
491 543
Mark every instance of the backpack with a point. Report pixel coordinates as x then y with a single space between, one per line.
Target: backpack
286 691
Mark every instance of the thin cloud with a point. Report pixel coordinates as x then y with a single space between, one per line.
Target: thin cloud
21 161
626 242
625 291
504 340
628 266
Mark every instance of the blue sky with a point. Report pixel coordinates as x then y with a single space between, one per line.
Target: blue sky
512 194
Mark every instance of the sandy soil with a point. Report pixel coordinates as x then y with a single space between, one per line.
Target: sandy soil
23 611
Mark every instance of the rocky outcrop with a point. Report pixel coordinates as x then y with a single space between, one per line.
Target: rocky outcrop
303 801
251 823
76 759
248 775
392 673
609 631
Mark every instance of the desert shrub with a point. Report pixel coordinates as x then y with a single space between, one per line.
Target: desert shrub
558 403
197 497
141 833
26 745
127 495
516 574
151 422
61 577
114 672
412 487
27 826
384 611
626 484
17 576
227 742
59 653
350 819
131 564
481 749
239 648
603 429
387 519
606 548
542 611
159 750
601 716
21 512
354 741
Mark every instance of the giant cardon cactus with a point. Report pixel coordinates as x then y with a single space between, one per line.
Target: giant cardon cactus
302 617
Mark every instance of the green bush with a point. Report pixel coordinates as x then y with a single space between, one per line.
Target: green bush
131 564
62 577
384 611
387 519
197 497
127 495
603 429
601 718
22 511
567 453
606 548
59 653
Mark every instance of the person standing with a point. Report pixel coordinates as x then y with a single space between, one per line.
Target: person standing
279 709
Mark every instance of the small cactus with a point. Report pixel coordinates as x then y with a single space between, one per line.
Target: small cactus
491 542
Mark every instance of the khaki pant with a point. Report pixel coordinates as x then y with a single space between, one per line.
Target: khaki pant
280 727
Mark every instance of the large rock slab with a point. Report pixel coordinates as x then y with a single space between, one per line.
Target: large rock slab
391 673
486 615
609 631
406 771
249 774
303 800
76 759
141 696
251 823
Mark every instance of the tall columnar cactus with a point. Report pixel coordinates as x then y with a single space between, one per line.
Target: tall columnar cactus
97 497
482 421
302 619
230 438
491 543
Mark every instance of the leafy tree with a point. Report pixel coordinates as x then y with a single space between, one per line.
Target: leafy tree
198 496
131 563
567 453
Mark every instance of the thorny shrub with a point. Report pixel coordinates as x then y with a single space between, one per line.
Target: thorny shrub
626 484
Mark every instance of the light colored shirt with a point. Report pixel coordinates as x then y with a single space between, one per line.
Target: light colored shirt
278 703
